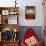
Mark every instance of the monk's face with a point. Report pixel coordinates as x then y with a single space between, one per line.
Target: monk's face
31 41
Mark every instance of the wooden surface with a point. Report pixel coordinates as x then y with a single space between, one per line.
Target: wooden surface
9 43
10 26
15 9
9 8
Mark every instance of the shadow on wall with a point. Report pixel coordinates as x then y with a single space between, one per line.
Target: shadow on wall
37 29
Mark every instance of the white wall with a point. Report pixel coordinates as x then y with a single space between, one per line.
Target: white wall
22 3
39 13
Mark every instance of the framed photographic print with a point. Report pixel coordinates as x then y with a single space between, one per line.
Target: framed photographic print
30 12
5 12
13 12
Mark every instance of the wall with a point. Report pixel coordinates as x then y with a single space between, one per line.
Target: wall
39 13
22 3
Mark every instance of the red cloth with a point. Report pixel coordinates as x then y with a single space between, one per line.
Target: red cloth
29 33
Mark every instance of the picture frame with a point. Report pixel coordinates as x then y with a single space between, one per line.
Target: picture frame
5 12
13 12
30 12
